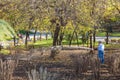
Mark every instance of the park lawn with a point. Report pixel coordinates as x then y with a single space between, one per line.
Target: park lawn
47 43
112 46
115 34
66 42
43 43
102 34
5 51
109 46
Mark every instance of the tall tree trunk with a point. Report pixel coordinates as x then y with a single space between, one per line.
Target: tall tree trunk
77 38
40 36
72 36
26 39
94 39
34 39
87 39
14 38
56 34
52 35
0 47
46 36
61 38
83 39
88 42
91 41
107 35
70 42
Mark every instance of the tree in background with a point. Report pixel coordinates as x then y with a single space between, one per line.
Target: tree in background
56 15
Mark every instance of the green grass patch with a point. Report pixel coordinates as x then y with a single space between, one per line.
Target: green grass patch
112 46
115 46
43 43
115 34
48 43
102 34
66 42
22 47
5 51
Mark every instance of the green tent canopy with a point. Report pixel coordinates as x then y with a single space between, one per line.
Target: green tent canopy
6 31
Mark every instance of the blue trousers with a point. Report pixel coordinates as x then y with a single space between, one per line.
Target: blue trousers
101 56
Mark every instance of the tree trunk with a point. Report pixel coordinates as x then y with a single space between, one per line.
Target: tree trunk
87 40
46 36
94 40
107 35
77 38
72 37
90 41
34 39
0 47
14 38
61 38
40 36
52 35
56 34
26 39
83 39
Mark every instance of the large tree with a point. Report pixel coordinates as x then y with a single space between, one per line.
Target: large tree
55 15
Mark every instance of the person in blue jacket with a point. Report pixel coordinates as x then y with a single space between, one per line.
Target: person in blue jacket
101 52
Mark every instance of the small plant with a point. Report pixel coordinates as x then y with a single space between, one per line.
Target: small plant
41 74
114 63
54 51
84 62
6 69
81 63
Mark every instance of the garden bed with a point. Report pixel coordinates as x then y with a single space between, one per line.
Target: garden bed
64 66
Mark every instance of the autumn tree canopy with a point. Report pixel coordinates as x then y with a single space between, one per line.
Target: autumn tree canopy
60 17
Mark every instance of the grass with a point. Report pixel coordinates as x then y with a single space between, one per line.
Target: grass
66 42
110 46
5 51
47 43
114 34
115 46
42 43
101 34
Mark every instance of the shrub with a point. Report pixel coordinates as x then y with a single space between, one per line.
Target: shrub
84 62
114 63
54 51
6 69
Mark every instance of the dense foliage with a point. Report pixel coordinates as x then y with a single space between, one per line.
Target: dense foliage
6 31
60 17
